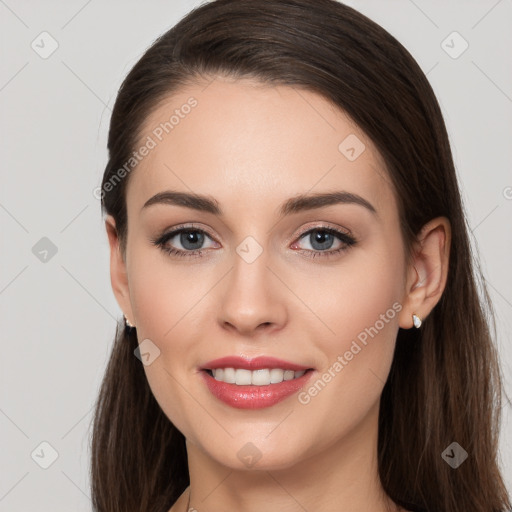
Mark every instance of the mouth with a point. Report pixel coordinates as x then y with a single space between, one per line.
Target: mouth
254 383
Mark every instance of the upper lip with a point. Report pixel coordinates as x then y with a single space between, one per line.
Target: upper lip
257 363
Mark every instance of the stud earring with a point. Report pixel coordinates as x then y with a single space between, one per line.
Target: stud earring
127 323
416 320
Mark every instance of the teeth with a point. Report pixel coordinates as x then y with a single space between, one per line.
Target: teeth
262 377
288 375
229 375
242 377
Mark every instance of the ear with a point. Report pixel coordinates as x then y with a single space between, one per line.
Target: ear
118 274
427 272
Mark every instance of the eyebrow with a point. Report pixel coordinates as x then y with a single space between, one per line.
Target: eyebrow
295 204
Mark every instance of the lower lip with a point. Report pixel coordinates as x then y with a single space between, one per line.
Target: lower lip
254 397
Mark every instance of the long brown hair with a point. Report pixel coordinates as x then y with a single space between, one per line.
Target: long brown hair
445 383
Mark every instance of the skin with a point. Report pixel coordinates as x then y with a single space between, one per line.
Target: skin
251 147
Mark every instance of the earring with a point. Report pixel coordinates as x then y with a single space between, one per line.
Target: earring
416 320
127 323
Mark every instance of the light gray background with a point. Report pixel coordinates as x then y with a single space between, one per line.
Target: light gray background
58 317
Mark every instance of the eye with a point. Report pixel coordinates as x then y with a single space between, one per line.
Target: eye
322 238
191 241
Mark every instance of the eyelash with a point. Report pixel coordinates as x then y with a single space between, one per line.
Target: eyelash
346 239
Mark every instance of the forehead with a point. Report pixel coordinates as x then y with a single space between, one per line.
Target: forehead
244 142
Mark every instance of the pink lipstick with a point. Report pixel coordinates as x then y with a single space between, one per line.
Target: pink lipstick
253 383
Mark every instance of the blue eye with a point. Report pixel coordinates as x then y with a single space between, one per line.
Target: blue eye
192 240
322 238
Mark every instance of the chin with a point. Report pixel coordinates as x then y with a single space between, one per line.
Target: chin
255 455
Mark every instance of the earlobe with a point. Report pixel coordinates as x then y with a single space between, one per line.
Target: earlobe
428 272
118 272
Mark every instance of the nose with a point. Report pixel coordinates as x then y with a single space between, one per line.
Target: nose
252 299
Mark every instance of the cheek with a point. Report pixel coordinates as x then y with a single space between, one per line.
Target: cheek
162 301
163 293
367 305
361 297
362 308
168 300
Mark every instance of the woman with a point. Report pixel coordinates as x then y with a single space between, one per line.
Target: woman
288 246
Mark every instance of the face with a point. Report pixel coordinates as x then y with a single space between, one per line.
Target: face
318 284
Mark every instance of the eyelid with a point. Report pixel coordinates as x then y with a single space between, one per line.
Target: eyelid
192 226
322 225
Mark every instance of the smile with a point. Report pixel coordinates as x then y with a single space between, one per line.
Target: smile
263 377
253 383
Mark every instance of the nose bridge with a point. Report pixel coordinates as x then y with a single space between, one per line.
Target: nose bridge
251 295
